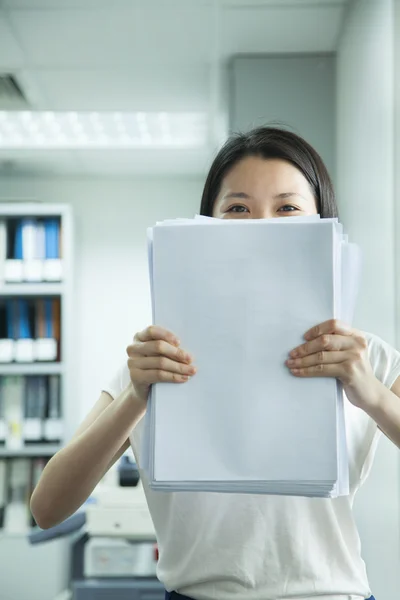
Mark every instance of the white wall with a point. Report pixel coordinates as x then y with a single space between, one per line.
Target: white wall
111 300
366 199
397 155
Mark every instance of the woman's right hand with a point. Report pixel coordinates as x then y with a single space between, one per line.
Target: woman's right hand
154 357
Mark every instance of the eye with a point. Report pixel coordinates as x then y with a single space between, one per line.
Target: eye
237 208
288 208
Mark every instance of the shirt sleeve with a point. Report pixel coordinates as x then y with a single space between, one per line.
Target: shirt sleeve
118 383
385 360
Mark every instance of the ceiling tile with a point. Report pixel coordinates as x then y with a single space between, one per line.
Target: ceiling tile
61 4
280 29
154 4
11 55
77 38
177 34
96 4
114 37
280 3
162 88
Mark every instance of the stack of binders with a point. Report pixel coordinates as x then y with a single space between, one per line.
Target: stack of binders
240 294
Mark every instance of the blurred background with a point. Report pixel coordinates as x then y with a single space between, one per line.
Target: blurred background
110 114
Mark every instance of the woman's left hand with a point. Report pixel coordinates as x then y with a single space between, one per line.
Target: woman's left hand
333 349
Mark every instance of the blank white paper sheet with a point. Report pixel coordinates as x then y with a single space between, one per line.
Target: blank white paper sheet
240 295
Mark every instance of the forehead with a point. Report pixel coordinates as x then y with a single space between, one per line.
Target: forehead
259 174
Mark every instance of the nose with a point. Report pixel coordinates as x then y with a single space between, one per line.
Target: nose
263 212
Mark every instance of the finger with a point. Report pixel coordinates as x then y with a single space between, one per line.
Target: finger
322 358
159 348
325 342
152 376
154 332
331 326
327 370
163 364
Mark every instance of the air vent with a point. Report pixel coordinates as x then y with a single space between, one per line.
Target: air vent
11 94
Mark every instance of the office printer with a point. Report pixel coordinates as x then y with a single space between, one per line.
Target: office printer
113 552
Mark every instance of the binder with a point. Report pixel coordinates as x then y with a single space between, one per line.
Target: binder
3 249
3 425
13 271
53 263
12 319
42 397
53 427
41 240
56 319
33 423
3 490
13 402
6 343
24 350
18 242
52 229
32 253
47 329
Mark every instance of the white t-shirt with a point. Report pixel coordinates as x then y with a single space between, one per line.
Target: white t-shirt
254 547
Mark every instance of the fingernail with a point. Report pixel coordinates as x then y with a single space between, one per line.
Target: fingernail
192 370
290 362
295 371
293 353
176 342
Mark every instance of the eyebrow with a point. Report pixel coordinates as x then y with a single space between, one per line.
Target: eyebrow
238 195
282 196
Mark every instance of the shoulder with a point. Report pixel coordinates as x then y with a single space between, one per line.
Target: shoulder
384 359
118 382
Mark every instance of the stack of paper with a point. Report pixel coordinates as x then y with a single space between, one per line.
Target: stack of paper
240 294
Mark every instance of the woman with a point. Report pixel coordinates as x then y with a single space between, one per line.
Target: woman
229 546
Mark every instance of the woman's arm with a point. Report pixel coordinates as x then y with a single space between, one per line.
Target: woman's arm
72 474
386 410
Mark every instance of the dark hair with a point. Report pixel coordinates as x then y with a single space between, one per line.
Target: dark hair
271 142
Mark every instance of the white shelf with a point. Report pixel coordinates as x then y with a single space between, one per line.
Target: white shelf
34 368
31 208
14 534
30 451
4 534
31 289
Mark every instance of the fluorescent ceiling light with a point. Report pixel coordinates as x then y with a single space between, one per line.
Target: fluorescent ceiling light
102 130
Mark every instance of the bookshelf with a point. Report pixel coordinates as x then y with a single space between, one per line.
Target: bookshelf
32 369
42 450
32 289
22 564
36 254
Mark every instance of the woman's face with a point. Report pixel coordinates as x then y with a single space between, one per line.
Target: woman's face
256 188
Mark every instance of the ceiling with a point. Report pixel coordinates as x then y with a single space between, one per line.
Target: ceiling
145 55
